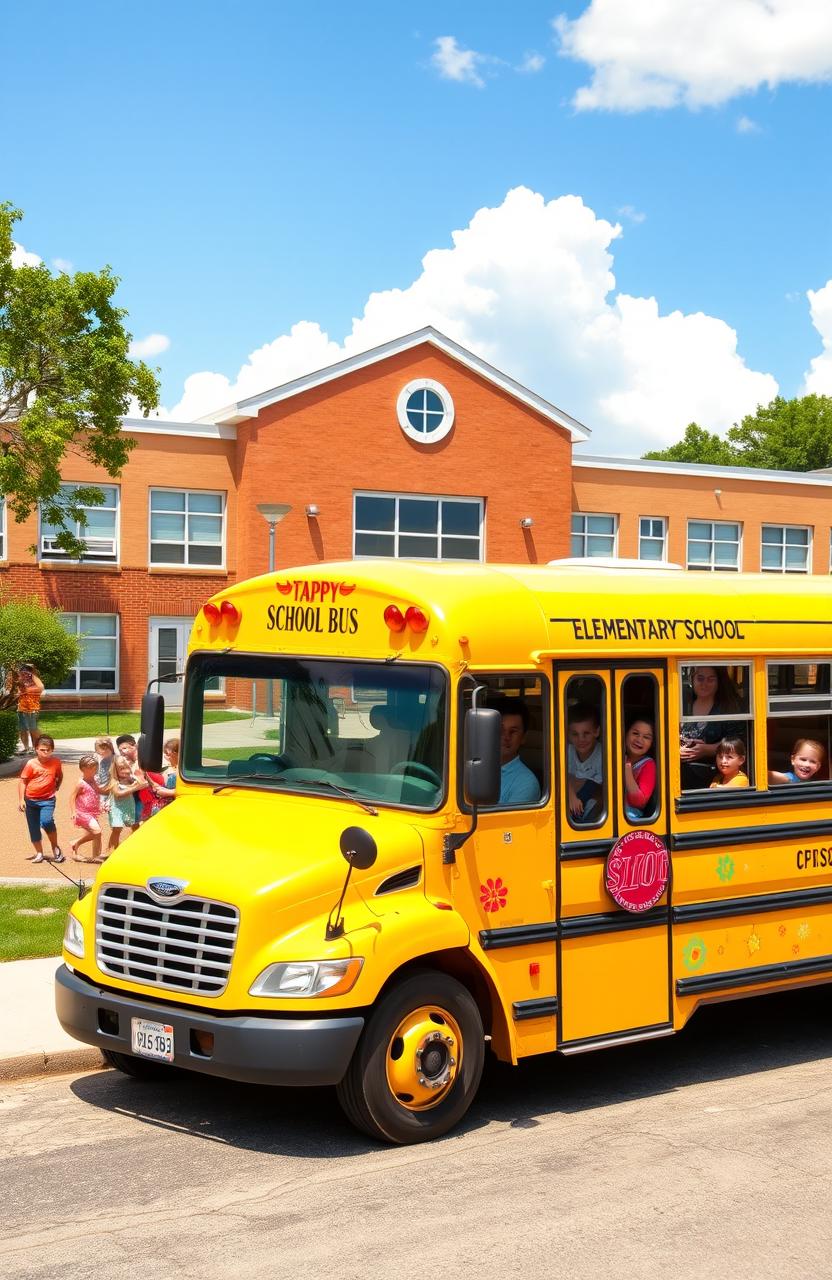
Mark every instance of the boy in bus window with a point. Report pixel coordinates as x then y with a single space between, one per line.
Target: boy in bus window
584 762
518 785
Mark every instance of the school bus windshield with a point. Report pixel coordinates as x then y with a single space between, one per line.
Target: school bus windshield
374 730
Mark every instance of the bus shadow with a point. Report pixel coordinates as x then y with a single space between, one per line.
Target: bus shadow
723 1041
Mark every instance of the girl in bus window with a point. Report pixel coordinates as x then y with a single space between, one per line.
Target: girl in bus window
808 759
639 771
730 762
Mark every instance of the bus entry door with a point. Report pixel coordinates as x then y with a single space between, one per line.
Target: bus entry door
613 962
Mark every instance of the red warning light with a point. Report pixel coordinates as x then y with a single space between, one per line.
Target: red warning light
230 612
416 619
394 617
212 613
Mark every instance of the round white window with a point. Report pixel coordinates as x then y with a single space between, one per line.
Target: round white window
425 411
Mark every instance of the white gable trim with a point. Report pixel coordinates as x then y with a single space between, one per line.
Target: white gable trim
164 427
654 466
249 408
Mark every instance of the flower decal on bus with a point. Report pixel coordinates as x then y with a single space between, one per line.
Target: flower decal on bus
695 954
725 868
493 894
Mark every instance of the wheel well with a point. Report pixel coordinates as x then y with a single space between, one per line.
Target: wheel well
459 963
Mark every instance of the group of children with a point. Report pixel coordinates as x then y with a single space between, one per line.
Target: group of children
584 765
111 782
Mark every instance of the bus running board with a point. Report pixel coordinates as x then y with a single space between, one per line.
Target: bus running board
616 1038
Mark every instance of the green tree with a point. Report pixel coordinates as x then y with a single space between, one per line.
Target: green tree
66 379
785 435
29 632
697 445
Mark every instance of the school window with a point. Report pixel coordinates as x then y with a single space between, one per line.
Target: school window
98 532
586 763
652 538
187 527
785 548
97 668
593 535
401 526
3 551
799 721
642 750
425 411
714 544
716 721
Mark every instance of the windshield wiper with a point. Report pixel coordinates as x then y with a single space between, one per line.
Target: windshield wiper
348 792
246 777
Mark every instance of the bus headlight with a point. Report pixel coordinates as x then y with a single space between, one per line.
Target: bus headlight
306 978
74 936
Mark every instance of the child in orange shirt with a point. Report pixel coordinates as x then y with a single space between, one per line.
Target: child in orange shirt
730 763
37 791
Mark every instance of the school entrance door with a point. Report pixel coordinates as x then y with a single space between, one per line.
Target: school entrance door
167 654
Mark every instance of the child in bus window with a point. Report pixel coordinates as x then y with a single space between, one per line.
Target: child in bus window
584 761
730 762
808 759
639 770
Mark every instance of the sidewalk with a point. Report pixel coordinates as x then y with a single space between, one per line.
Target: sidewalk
32 1041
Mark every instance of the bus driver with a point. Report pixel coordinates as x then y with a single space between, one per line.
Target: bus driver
518 785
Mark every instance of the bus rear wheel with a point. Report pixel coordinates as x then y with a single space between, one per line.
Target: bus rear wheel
419 1062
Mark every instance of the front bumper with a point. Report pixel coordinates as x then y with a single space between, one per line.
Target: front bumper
256 1050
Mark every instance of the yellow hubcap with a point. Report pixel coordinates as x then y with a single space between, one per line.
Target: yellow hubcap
424 1055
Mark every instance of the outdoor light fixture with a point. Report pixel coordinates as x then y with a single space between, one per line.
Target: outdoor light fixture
313 510
526 522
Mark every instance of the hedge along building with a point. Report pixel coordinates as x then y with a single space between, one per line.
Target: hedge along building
416 448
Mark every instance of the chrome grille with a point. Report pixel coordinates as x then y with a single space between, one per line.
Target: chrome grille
187 946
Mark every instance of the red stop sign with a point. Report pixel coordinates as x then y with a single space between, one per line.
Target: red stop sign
636 871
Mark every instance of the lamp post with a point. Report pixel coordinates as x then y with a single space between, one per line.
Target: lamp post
274 513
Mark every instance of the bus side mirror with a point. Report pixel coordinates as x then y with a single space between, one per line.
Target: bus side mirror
481 751
152 732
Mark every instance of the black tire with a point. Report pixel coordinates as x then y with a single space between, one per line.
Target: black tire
139 1068
436 1003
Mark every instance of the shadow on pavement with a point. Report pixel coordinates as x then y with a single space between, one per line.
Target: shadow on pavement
723 1041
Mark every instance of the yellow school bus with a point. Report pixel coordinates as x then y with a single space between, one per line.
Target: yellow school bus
426 840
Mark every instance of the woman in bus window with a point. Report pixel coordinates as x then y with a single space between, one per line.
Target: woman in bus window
713 694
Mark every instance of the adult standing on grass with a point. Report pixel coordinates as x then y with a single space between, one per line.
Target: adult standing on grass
37 791
30 687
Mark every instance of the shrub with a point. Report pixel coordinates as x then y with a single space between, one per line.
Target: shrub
8 734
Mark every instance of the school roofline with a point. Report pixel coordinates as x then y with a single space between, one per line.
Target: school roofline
651 466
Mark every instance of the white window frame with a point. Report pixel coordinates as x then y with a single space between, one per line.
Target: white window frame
588 515
445 426
726 717
651 537
711 567
803 528
4 533
396 533
186 564
54 555
78 692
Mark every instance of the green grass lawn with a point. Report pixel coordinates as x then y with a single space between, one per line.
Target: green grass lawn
32 920
89 724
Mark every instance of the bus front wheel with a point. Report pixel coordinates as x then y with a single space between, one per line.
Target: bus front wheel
418 1063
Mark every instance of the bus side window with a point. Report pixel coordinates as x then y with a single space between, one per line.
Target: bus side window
799 721
640 749
586 766
716 707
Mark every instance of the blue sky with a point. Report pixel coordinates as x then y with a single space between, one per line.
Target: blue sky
246 168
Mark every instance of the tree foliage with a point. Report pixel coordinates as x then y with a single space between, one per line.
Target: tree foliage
30 632
66 380
785 435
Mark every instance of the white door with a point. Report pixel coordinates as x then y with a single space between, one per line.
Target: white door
168 652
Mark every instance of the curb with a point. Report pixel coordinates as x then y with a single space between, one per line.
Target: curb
31 1065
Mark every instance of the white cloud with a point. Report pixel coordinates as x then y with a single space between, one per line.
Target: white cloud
529 286
662 53
632 214
746 125
455 63
22 258
64 265
818 379
153 345
531 64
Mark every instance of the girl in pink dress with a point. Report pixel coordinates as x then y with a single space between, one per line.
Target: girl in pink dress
86 805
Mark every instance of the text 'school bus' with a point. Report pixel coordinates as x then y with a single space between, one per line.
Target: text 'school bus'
572 806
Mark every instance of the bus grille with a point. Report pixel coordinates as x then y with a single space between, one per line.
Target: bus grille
183 947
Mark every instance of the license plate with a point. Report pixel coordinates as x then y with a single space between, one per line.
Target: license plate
152 1039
